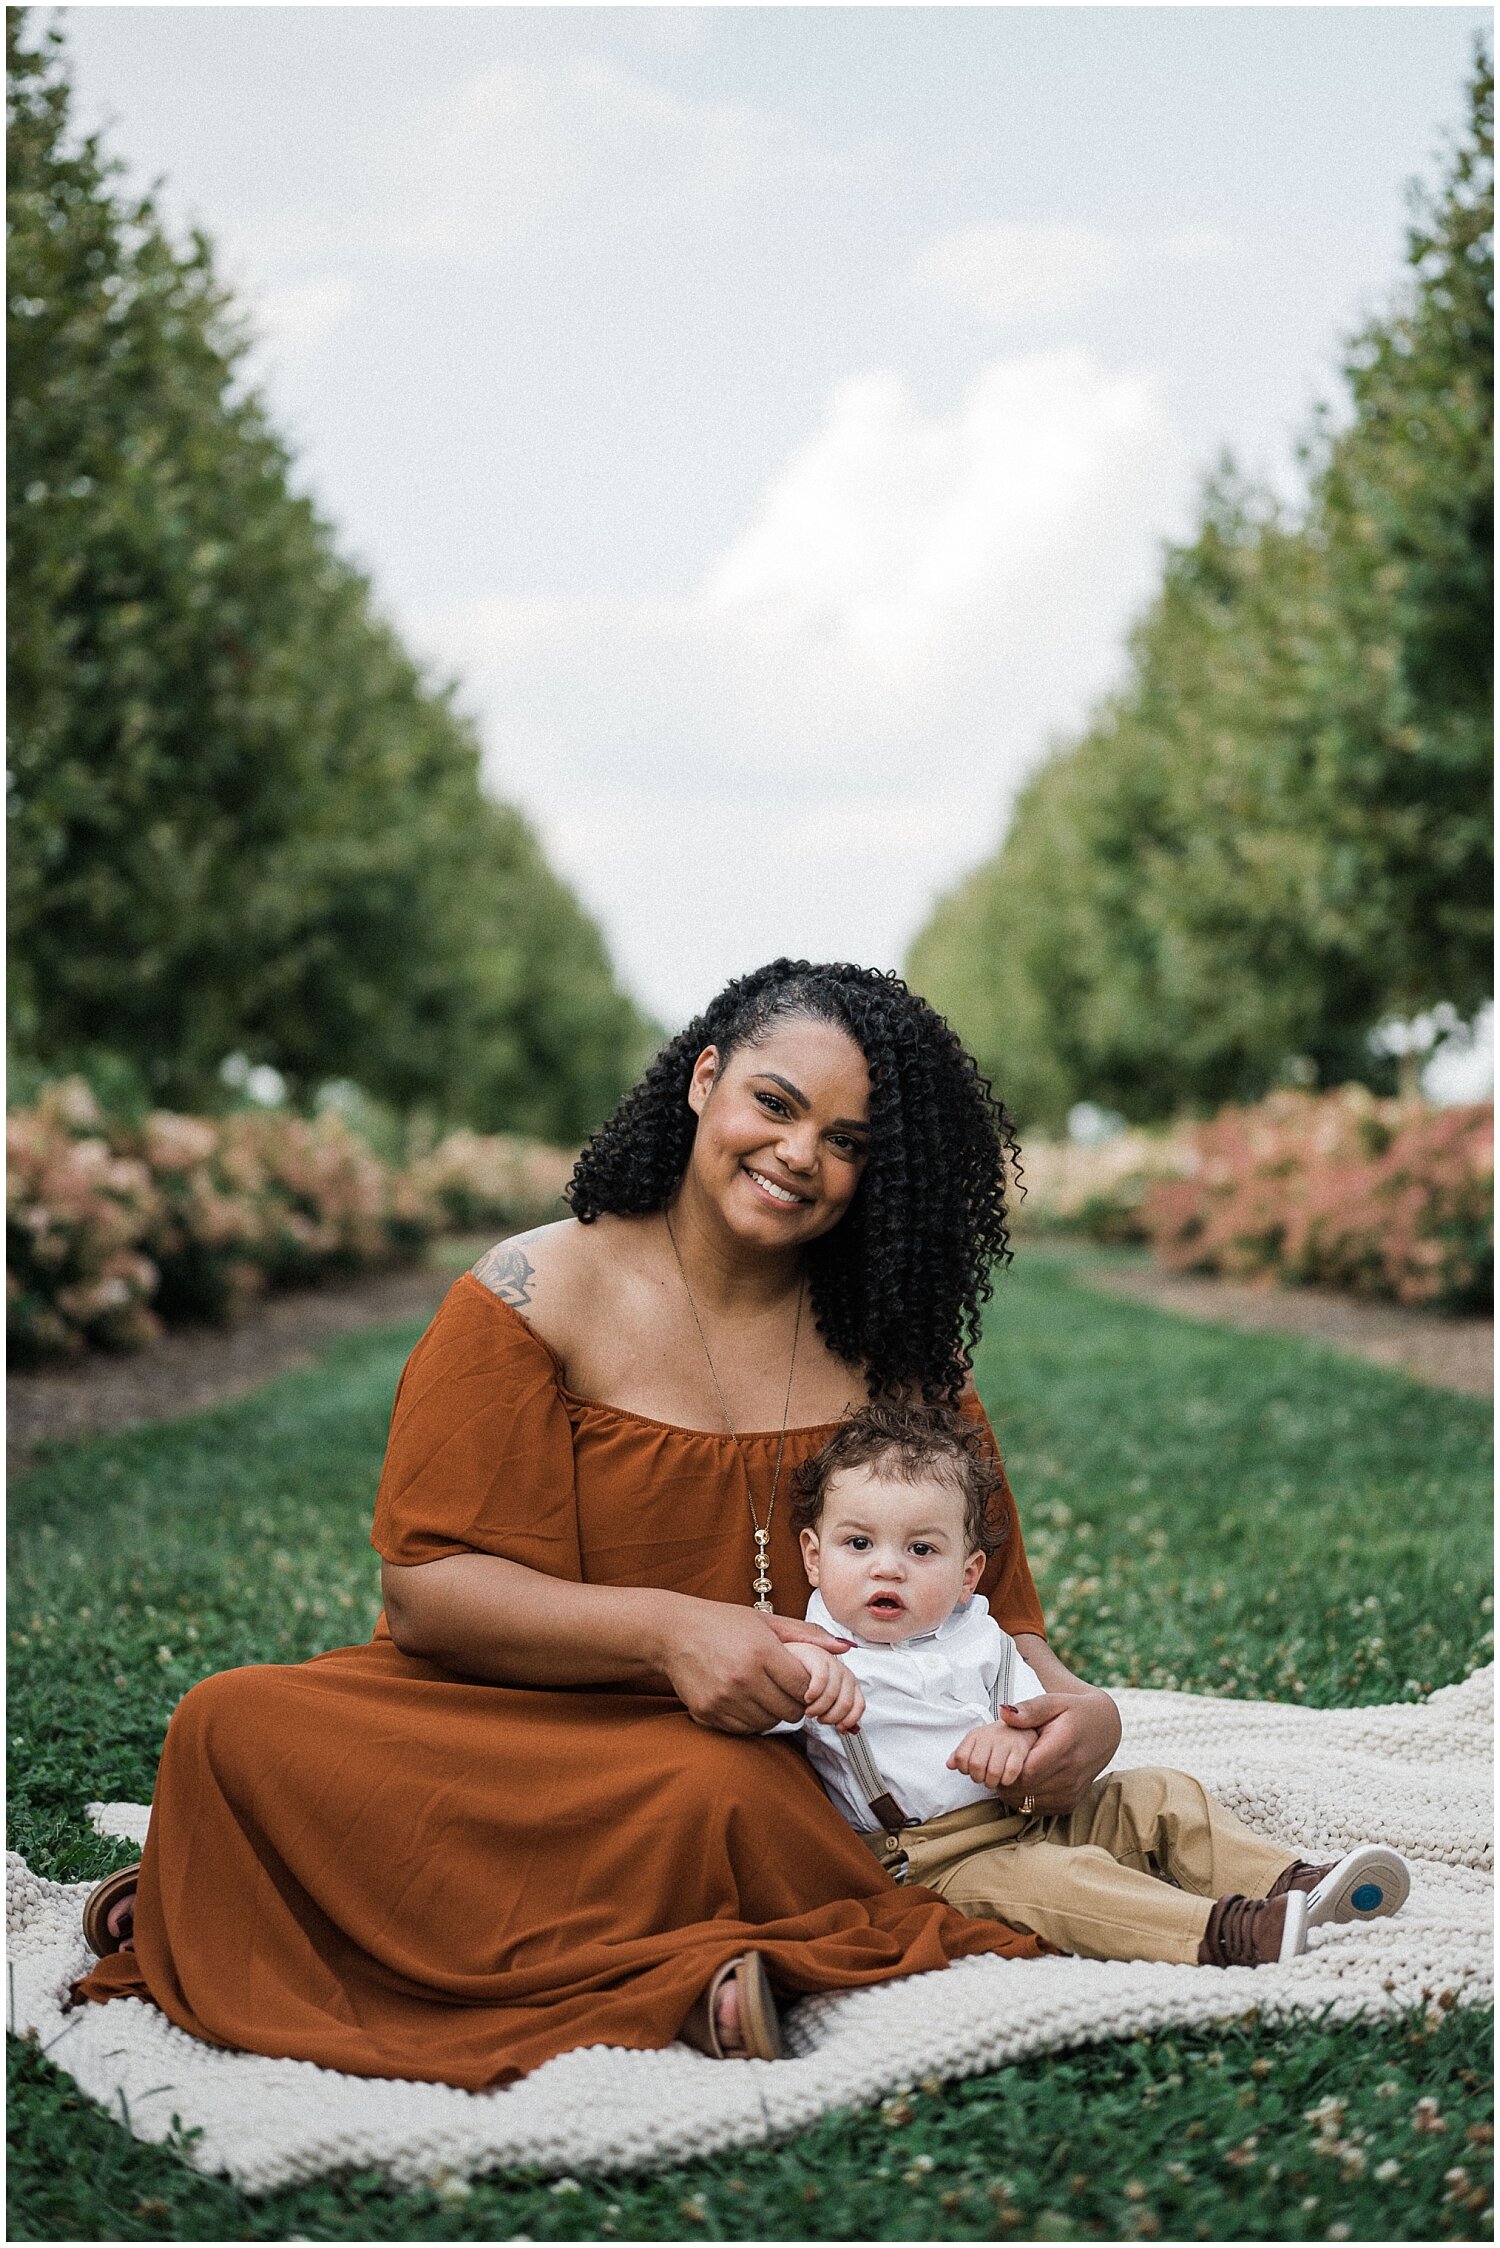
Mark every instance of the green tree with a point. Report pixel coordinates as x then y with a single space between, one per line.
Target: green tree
1277 832
1404 510
240 818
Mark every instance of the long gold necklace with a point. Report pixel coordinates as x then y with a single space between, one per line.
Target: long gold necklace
762 1578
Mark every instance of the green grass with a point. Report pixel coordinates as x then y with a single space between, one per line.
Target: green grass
1233 1513
1179 2138
1240 1514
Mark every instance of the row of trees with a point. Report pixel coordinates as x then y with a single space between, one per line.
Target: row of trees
241 819
1277 834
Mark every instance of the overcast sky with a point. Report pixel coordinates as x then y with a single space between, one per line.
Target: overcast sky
773 416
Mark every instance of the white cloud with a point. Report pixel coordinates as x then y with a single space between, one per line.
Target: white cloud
1009 272
801 751
894 532
531 150
294 321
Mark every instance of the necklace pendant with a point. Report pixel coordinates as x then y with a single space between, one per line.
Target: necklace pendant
762 1579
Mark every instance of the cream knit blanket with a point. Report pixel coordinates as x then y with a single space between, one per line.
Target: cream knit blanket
1415 1776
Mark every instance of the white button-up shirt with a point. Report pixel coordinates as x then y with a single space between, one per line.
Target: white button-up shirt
921 1697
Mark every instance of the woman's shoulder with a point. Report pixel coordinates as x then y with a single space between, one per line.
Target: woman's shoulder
525 1266
554 1276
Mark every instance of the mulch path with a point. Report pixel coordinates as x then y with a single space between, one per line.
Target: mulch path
1449 1353
192 1368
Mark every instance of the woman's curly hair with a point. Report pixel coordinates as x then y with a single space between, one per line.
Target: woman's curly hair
897 1286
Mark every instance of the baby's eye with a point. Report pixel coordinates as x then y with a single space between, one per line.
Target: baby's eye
922 1551
857 1543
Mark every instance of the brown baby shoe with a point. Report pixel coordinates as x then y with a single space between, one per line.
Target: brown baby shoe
1299 1875
1255 1931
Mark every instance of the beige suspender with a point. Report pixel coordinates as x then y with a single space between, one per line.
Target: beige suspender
1004 1685
872 1783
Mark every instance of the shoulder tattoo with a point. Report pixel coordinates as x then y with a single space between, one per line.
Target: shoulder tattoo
507 1272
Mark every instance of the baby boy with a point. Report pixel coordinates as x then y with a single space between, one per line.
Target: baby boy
896 1524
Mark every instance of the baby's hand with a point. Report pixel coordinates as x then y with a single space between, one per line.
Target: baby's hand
832 1693
994 1755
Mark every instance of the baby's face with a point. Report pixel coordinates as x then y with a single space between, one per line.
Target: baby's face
888 1556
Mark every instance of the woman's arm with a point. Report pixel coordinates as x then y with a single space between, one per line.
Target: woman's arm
1079 1727
489 1618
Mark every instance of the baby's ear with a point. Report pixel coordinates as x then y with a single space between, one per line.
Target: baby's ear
809 1540
973 1571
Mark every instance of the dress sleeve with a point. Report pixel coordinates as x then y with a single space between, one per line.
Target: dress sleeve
1006 1582
480 1454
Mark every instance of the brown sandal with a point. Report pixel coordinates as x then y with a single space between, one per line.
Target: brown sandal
760 2024
100 1903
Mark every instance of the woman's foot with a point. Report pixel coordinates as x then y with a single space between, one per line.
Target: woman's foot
727 2020
736 2018
109 1913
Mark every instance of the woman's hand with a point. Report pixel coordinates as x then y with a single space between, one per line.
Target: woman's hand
1076 1735
733 1668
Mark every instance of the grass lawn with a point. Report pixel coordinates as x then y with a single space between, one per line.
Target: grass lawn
1231 1513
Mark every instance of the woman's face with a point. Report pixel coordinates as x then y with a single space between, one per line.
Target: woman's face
783 1131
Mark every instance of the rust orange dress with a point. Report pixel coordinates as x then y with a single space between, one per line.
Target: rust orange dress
373 1863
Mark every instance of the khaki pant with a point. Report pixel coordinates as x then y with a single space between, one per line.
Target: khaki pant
1131 1874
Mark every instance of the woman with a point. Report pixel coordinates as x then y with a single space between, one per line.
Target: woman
532 1814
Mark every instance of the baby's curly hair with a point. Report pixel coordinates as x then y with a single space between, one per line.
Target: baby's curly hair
912 1442
898 1286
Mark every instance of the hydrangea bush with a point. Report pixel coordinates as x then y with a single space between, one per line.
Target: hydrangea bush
492 1179
1099 1190
113 1227
1342 1190
78 1215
